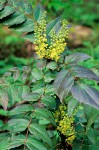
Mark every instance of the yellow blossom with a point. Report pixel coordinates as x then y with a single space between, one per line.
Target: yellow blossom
65 123
57 44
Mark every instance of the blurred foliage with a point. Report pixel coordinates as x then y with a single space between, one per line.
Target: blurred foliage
79 11
13 50
10 42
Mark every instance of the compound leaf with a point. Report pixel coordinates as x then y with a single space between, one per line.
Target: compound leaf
15 19
86 94
83 72
40 132
6 12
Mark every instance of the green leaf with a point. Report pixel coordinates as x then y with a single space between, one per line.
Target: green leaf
29 36
23 91
10 143
26 69
54 25
14 3
96 124
3 112
27 7
31 97
87 110
93 116
94 147
44 122
49 101
4 99
44 114
16 75
38 88
40 132
86 94
41 64
78 146
27 26
4 136
13 94
17 125
2 1
37 73
38 12
50 89
91 136
15 19
6 12
1 6
72 104
52 65
21 109
1 123
26 95
7 74
24 76
48 77
34 144
4 145
16 141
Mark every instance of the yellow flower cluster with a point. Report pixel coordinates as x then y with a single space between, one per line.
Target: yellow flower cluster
65 124
40 37
57 44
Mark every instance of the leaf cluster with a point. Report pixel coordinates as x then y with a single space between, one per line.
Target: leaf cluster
28 100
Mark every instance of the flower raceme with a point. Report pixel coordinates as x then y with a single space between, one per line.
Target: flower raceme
57 44
40 37
65 124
